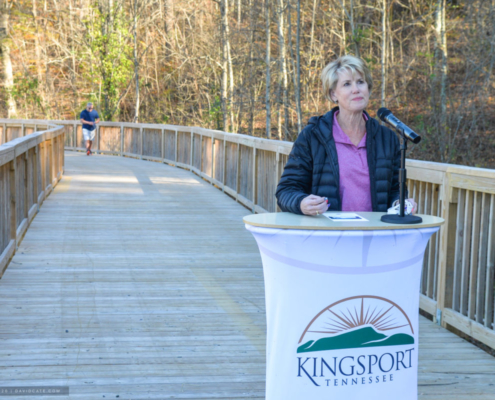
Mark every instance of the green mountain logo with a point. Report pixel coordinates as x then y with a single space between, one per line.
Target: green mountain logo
357 322
359 338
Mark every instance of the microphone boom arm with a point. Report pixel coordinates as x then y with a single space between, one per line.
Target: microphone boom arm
405 134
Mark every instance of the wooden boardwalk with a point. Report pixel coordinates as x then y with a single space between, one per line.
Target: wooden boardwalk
138 280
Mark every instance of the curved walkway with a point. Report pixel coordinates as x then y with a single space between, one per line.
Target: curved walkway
138 280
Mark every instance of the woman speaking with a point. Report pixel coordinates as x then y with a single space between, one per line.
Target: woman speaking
344 160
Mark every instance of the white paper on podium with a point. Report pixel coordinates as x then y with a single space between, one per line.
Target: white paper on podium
342 217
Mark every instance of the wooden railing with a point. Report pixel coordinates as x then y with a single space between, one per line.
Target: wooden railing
30 167
244 167
458 271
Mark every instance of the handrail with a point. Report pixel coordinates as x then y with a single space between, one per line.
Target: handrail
457 286
30 167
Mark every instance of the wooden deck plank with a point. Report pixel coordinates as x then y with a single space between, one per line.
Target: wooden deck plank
138 280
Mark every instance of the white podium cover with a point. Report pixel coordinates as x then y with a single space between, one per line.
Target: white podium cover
342 312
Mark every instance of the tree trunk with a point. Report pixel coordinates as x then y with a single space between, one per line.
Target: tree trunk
239 14
230 106
344 36
224 65
313 19
298 73
136 64
8 77
441 82
443 74
168 25
252 90
73 64
283 66
38 60
268 62
295 80
354 31
350 17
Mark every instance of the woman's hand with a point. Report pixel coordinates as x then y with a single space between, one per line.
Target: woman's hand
314 205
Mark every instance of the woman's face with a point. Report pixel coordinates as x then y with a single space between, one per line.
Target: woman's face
352 93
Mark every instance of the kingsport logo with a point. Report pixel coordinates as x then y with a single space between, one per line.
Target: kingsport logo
371 328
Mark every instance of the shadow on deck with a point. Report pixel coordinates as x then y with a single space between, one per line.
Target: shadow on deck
137 280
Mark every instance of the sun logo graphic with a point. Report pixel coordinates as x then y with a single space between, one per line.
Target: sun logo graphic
357 322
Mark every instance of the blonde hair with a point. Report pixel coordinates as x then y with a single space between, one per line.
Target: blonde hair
330 74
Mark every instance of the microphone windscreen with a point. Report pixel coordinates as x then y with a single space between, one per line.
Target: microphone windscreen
383 112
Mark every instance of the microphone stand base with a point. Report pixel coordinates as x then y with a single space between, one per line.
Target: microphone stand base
405 220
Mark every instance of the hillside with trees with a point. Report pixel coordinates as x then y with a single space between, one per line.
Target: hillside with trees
253 66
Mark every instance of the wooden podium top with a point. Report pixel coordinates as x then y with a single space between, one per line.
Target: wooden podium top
285 220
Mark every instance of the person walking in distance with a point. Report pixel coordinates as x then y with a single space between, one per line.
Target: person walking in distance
89 118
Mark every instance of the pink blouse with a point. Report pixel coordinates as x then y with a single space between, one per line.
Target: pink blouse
354 173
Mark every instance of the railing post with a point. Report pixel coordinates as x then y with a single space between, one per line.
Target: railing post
447 253
275 181
201 152
255 177
13 205
142 141
58 172
224 178
36 193
47 166
176 146
212 158
51 160
26 186
163 144
98 139
490 268
23 130
122 137
74 133
62 153
192 150
4 133
54 160
238 180
44 146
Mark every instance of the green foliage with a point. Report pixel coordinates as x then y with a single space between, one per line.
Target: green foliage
427 55
429 59
108 37
355 39
25 90
215 113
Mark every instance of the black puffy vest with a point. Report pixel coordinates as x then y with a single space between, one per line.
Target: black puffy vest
313 166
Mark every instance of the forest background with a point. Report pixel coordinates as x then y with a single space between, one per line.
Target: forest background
253 66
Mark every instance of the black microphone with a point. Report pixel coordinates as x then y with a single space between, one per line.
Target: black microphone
386 116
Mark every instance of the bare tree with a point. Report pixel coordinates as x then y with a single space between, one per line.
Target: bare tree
183 62
283 65
441 49
268 61
167 11
229 63
297 74
8 77
38 59
136 61
223 38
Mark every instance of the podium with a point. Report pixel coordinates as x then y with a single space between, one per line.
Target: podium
342 302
